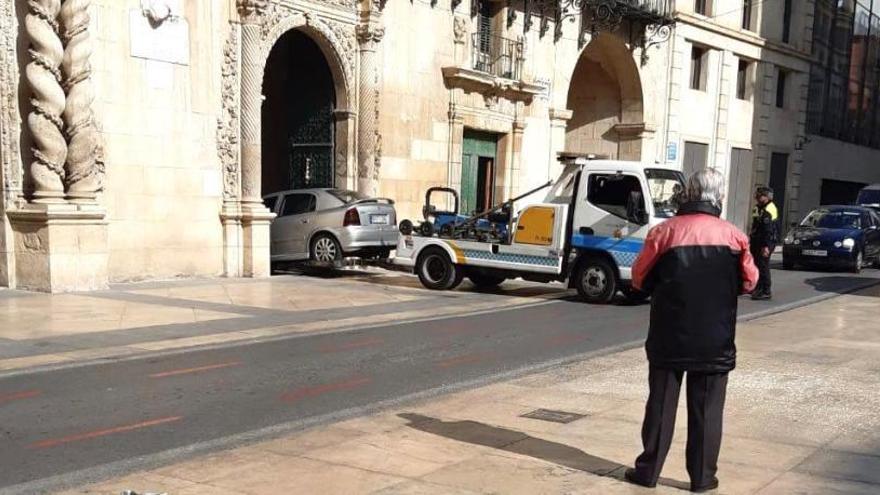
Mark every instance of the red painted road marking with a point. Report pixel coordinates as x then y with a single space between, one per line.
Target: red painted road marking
306 392
572 338
19 395
460 360
356 344
100 433
198 369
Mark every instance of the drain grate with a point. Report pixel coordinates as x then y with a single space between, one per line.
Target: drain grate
553 416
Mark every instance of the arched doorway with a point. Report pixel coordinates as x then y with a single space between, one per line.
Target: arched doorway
605 96
298 127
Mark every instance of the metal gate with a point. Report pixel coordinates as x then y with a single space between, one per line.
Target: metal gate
311 150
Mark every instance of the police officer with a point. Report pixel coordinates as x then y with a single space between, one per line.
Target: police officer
763 239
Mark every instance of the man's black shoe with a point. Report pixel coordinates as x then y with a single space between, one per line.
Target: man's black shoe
633 477
761 296
705 488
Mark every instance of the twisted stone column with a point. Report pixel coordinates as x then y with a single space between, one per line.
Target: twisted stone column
82 170
251 99
369 37
44 121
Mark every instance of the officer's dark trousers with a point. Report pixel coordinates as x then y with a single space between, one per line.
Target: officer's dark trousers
763 264
705 404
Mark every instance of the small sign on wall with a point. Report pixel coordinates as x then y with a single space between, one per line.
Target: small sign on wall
672 152
165 42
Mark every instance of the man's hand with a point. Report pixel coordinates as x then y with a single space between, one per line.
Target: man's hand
765 252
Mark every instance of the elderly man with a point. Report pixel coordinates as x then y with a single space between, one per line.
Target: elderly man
695 266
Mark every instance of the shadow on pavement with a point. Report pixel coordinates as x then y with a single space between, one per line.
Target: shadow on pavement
843 285
517 442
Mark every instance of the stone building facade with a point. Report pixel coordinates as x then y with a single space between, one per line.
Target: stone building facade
139 135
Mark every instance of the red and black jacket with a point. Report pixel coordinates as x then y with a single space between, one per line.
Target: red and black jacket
695 266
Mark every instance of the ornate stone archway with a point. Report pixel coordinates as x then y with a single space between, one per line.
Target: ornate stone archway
349 43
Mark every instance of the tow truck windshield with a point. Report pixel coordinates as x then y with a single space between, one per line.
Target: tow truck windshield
665 187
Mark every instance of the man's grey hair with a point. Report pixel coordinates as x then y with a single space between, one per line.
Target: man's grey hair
706 185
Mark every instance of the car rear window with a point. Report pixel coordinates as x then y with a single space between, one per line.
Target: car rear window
346 196
270 202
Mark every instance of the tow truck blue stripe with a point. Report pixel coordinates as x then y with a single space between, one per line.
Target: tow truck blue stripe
624 251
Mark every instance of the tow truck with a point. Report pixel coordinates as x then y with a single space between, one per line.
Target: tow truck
587 232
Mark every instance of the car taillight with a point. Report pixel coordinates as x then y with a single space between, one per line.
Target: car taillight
351 218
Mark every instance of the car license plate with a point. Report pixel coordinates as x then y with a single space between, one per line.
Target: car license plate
815 252
379 219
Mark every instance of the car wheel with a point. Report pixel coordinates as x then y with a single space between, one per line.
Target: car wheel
787 264
436 270
325 249
483 281
596 280
858 263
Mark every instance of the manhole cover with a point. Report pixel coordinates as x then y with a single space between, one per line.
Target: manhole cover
553 416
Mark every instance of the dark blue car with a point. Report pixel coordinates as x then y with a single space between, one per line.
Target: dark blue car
838 236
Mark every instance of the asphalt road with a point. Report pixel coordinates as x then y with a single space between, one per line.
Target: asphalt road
69 426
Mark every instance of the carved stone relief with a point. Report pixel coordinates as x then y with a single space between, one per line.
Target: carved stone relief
280 19
10 129
272 20
228 124
460 28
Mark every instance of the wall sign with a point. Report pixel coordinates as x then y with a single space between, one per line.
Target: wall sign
672 151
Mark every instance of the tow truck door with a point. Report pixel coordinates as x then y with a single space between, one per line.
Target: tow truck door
601 219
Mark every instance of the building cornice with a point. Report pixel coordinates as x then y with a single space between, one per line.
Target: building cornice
747 37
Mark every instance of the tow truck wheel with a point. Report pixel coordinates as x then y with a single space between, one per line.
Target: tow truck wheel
436 271
596 281
483 281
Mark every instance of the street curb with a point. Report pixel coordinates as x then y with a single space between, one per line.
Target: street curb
806 302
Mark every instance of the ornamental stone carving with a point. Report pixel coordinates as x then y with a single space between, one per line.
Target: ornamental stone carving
44 121
228 125
460 28
9 110
251 10
82 172
341 37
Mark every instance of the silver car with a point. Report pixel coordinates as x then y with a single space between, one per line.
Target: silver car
326 225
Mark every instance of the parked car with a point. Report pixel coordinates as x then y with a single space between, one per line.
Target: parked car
327 224
870 197
839 236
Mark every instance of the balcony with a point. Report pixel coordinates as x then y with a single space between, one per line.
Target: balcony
497 56
494 68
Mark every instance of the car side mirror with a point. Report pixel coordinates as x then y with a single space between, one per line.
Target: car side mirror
794 224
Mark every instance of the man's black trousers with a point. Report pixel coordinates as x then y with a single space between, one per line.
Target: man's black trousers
705 403
763 264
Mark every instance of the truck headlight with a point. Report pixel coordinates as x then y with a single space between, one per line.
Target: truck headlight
849 243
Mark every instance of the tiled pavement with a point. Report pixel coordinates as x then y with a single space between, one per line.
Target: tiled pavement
802 417
42 329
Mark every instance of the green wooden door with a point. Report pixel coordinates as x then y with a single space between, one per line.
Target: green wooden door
476 145
469 178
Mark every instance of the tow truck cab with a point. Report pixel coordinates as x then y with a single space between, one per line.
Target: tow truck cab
616 204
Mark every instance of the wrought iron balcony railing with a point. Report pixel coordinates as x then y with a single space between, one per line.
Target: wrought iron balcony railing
500 57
